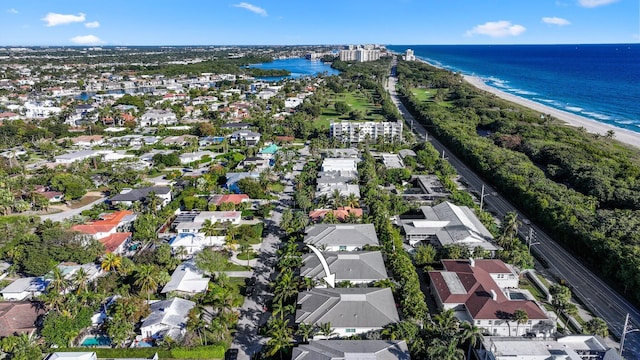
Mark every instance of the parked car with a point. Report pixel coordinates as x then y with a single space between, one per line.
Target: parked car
231 354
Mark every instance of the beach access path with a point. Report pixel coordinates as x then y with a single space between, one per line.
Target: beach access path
623 135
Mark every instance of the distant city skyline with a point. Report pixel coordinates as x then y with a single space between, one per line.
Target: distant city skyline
271 22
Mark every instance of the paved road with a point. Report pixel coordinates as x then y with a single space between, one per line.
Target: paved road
70 213
252 313
586 286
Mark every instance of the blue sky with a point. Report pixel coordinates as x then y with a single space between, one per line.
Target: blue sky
260 22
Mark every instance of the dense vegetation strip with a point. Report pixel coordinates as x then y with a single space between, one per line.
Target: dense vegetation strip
583 188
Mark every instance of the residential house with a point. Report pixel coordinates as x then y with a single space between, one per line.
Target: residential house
351 350
79 156
357 267
250 138
167 318
192 222
254 164
188 158
24 288
87 141
187 280
234 177
193 243
109 230
236 126
341 213
128 196
341 237
392 161
181 140
158 117
340 164
345 190
19 317
449 224
68 270
235 199
573 347
73 356
53 196
353 153
268 152
350 311
485 293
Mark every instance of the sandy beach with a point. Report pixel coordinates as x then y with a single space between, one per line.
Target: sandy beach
595 127
592 126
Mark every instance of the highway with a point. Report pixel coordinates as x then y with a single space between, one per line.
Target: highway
592 291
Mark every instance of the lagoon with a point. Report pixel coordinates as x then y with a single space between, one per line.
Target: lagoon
298 67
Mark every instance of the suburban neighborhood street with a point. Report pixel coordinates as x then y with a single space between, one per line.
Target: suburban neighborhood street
595 293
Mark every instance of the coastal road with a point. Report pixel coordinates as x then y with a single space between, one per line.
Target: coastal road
595 293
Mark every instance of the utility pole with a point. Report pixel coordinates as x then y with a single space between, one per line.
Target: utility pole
625 331
482 197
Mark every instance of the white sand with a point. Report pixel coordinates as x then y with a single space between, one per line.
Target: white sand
595 127
592 126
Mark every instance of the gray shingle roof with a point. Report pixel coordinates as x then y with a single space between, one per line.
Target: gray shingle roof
353 266
347 307
173 313
341 235
352 350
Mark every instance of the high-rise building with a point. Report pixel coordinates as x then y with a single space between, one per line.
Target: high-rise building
360 54
409 55
356 132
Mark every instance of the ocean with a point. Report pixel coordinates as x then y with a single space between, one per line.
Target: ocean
599 82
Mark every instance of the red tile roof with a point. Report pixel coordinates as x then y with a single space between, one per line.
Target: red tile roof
478 284
113 241
341 213
18 317
107 224
229 198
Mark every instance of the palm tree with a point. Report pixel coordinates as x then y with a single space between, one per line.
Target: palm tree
281 339
329 218
306 331
145 279
326 330
520 317
308 283
337 198
471 334
352 201
351 218
58 282
445 350
245 249
509 229
230 239
279 308
596 326
218 329
110 262
210 228
286 286
80 279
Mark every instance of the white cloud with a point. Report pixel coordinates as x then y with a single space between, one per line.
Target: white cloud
254 9
53 19
12 11
86 40
595 3
92 24
555 21
501 28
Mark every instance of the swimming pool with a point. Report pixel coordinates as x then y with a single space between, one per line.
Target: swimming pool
93 340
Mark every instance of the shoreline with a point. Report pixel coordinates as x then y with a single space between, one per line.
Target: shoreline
624 136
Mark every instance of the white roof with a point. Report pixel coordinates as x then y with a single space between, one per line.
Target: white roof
187 278
73 356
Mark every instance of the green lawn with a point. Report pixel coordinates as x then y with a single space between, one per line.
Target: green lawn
251 255
235 267
276 187
355 100
423 94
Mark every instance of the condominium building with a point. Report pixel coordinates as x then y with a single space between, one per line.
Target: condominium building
409 56
356 132
360 54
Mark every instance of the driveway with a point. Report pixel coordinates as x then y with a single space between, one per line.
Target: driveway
70 213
